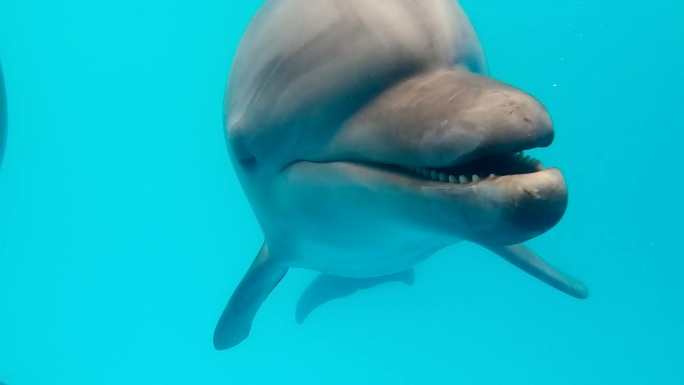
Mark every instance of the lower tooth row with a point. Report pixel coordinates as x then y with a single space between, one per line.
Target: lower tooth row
440 176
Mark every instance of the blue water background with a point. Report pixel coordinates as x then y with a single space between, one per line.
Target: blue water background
123 229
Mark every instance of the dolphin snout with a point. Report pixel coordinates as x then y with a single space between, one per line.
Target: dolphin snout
472 116
530 117
510 120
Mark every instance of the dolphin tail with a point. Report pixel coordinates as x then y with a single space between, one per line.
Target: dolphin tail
257 284
528 261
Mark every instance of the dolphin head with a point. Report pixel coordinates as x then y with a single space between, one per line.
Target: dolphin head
424 136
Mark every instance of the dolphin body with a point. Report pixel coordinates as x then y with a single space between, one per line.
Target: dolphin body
368 135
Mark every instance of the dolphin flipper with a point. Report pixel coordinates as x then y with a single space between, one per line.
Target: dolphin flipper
528 261
236 320
326 288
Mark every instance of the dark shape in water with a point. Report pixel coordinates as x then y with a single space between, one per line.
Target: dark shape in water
3 119
326 288
3 123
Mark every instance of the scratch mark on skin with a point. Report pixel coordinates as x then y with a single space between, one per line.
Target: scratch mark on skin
455 95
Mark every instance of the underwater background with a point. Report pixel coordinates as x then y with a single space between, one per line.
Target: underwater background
123 229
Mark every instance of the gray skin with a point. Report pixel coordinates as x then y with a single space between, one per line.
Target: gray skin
329 103
3 115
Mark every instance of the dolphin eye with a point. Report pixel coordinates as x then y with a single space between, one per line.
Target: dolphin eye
248 162
242 154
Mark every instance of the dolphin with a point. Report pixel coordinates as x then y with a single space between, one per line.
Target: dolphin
368 135
3 114
3 122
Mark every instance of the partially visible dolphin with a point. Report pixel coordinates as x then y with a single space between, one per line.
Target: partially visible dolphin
3 122
3 114
368 135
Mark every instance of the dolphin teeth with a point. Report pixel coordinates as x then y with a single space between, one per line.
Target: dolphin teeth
518 158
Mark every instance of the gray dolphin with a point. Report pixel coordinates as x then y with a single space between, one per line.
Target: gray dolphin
368 135
3 114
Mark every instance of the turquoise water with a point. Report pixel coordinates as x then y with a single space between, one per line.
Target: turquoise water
123 229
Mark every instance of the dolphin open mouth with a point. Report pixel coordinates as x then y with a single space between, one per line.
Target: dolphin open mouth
488 167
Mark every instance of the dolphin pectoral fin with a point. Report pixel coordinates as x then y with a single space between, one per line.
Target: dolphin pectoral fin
326 287
236 320
527 260
322 289
407 276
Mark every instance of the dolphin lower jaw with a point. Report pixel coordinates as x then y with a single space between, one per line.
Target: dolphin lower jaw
502 210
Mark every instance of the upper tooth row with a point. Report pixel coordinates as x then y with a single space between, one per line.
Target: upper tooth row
440 176
529 160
